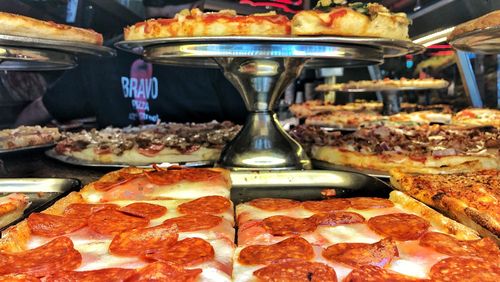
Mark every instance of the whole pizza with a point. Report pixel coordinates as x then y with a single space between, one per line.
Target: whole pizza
489 20
180 225
12 24
28 136
194 22
386 84
354 19
416 149
149 144
357 19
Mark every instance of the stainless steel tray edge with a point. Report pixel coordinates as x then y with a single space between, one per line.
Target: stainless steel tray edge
42 192
304 185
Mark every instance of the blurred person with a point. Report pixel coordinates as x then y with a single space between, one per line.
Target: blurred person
126 90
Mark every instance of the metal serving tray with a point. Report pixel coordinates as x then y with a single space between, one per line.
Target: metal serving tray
74 161
13 58
329 166
58 45
482 41
390 47
26 149
42 192
304 185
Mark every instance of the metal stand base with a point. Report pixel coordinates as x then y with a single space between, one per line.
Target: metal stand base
262 142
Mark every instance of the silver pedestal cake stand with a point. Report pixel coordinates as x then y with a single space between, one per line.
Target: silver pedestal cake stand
36 54
261 68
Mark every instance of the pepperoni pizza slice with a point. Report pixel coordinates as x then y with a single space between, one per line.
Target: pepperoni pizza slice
396 238
145 184
135 235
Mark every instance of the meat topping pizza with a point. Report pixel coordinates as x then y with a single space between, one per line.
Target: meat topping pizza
165 142
26 136
431 148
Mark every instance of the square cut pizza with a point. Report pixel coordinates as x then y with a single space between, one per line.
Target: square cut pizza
357 239
131 225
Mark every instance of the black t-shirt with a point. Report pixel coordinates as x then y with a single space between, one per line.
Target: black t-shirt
126 90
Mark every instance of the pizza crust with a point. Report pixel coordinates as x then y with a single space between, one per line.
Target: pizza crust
133 157
13 24
433 165
25 136
438 220
15 238
489 20
449 204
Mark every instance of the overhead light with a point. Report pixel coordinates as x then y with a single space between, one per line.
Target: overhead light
434 38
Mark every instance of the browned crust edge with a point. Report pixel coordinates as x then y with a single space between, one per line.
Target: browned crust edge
488 20
438 220
16 237
48 30
454 164
467 216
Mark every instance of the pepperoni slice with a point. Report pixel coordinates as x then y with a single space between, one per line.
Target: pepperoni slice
295 247
209 204
280 225
56 255
144 210
110 221
123 177
271 204
446 244
296 270
160 271
190 251
465 269
100 275
399 226
326 205
370 273
171 176
364 203
337 218
379 254
194 222
48 225
140 241
86 210
18 277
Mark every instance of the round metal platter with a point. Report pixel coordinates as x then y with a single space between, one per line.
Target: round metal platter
13 58
202 54
328 166
57 45
482 41
390 47
360 90
74 161
26 149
